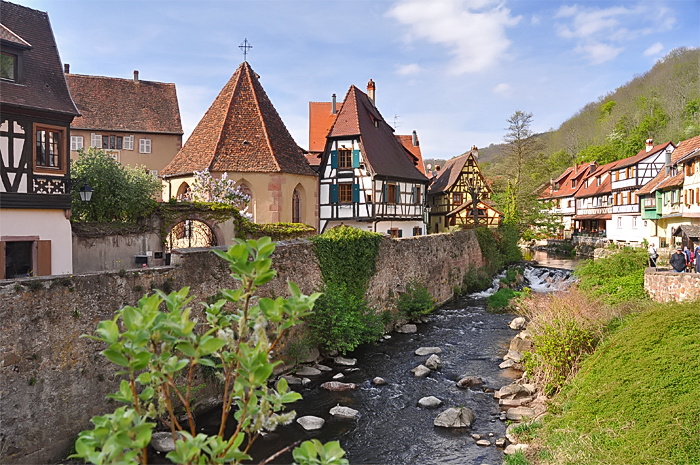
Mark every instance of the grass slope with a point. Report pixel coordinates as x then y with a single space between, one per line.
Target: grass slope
637 399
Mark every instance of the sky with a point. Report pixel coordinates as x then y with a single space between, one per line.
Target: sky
454 70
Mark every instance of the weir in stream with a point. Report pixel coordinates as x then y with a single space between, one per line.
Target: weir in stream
392 428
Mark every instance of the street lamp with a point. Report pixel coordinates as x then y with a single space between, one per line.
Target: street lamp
85 193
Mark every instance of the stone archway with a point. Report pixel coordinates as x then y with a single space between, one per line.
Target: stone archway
192 230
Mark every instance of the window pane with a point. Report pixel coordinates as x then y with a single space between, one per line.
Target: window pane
105 142
41 148
112 142
119 143
7 66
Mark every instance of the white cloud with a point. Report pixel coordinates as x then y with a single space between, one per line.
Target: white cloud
654 49
405 70
535 20
502 89
472 30
600 32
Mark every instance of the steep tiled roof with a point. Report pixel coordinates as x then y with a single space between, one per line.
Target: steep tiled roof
241 131
43 85
593 188
690 230
321 119
115 104
384 153
566 187
686 148
660 181
449 174
414 150
625 162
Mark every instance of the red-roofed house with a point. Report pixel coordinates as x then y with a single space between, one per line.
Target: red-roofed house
136 121
35 115
561 194
368 179
243 135
594 201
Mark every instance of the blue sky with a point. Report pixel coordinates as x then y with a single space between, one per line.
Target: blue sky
451 70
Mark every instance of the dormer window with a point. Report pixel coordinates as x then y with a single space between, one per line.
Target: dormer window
573 184
597 181
8 66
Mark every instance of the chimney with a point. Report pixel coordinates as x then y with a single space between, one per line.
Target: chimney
475 152
415 139
66 68
335 110
136 75
370 92
667 166
650 144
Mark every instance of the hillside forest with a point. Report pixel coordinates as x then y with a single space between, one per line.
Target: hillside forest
662 104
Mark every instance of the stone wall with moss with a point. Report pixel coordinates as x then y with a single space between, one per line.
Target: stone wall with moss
52 381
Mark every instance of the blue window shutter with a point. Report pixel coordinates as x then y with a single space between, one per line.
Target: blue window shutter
334 193
355 192
400 232
420 231
414 194
355 158
397 194
388 232
334 160
385 193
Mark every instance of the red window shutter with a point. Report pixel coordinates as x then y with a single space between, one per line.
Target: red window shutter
2 259
697 195
44 258
685 192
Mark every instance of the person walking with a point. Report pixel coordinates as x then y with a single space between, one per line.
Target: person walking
678 261
653 255
697 259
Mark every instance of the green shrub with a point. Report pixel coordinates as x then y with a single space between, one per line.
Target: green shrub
617 278
500 301
499 246
517 458
416 301
475 280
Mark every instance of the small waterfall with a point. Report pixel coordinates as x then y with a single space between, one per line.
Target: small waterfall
547 279
491 290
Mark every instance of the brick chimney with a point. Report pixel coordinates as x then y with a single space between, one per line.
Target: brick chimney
475 152
414 138
136 75
335 108
370 92
66 68
650 144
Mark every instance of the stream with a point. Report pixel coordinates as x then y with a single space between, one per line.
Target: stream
392 429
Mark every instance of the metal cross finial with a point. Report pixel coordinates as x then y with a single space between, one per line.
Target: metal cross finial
245 46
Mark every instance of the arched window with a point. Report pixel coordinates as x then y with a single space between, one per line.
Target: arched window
245 189
296 207
183 192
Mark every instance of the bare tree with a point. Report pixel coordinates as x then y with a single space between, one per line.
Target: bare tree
520 149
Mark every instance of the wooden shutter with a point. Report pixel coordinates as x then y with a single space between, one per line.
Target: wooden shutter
334 159
397 194
2 259
334 192
400 232
355 158
685 193
697 195
385 193
355 192
414 194
44 258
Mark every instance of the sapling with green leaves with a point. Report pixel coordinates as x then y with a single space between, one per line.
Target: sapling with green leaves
161 350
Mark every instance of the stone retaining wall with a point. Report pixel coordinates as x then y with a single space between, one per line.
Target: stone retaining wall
52 381
667 286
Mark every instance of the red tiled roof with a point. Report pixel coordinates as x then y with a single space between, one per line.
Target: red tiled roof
625 162
115 104
321 119
384 153
43 85
593 188
578 173
672 181
685 148
241 131
414 150
449 173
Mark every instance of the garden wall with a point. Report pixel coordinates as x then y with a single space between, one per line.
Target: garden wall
667 286
53 381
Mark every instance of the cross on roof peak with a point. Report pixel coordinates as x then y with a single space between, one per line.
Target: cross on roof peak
245 46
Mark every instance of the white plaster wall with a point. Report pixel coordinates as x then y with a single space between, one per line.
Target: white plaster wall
50 225
627 232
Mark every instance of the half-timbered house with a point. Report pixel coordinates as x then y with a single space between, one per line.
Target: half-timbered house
36 110
367 178
560 196
452 193
594 202
628 176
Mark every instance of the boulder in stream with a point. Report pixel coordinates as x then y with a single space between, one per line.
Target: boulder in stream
323 367
517 413
518 323
427 351
513 355
379 381
421 371
511 391
310 422
407 329
468 381
429 402
433 362
292 380
506 364
338 386
344 412
455 418
346 362
483 442
338 376
308 371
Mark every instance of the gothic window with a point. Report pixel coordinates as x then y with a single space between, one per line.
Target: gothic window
296 207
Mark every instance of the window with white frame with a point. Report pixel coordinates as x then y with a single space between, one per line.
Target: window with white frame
128 142
634 221
619 222
144 145
96 140
76 143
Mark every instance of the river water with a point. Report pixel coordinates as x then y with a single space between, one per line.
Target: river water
392 429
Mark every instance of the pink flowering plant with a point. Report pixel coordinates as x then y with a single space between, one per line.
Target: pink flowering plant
207 188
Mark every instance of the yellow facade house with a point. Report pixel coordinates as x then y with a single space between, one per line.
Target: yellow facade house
242 134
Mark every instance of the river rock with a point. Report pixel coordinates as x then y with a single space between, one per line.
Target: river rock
506 364
292 380
351 370
509 403
427 351
346 362
310 356
421 371
519 344
509 433
455 418
483 442
407 329
468 381
379 381
310 422
429 402
518 323
501 442
323 368
517 413
308 371
433 362
344 412
476 437
514 356
338 376
163 441
338 386
513 448
511 391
